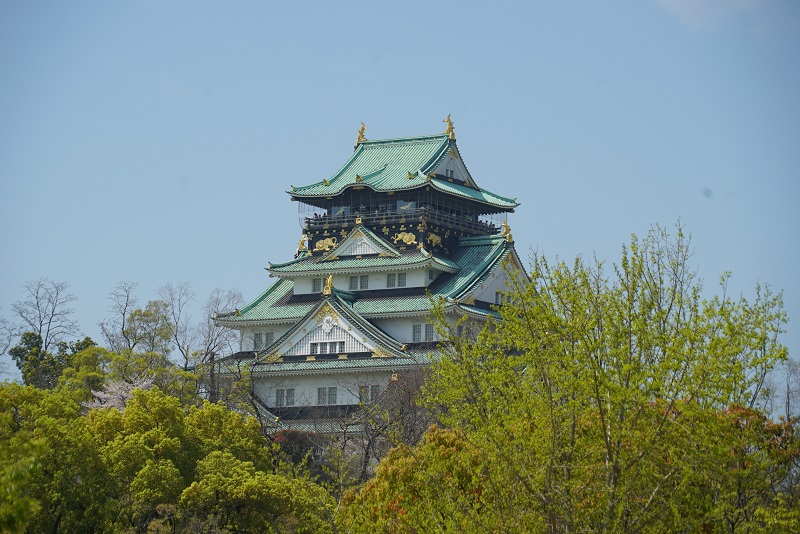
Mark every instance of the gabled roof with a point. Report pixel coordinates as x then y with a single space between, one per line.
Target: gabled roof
478 258
473 262
387 353
350 245
401 164
384 257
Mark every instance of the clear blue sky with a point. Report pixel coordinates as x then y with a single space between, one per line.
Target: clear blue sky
154 141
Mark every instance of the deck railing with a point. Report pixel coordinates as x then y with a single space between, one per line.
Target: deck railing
454 221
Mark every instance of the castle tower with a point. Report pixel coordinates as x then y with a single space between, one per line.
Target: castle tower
402 224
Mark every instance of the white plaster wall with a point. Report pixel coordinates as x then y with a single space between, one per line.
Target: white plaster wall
400 328
305 386
304 284
247 334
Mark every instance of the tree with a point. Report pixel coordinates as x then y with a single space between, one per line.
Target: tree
183 335
149 329
115 327
40 368
612 400
46 311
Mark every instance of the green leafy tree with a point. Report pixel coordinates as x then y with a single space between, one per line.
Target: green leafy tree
40 368
604 400
149 329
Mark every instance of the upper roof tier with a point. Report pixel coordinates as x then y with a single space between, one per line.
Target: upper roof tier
408 163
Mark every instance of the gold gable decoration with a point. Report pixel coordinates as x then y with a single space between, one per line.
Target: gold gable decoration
328 287
326 309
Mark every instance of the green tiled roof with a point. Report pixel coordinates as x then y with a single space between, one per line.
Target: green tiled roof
415 258
340 365
267 306
384 165
476 259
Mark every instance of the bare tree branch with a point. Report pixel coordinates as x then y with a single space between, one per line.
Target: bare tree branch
115 326
46 311
178 297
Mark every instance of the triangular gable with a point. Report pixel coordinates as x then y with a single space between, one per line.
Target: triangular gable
361 241
496 277
453 168
334 330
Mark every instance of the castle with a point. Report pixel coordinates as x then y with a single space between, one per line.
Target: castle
401 225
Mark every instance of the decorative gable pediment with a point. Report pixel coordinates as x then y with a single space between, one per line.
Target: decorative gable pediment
325 333
362 242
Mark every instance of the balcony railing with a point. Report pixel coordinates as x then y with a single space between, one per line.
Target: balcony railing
454 221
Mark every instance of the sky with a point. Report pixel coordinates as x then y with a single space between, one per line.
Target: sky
154 142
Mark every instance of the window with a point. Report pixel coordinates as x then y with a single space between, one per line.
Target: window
269 338
258 341
368 393
284 397
416 333
431 274
325 347
428 332
326 396
359 282
396 280
316 285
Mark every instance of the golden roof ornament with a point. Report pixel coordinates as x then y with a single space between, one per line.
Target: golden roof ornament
506 232
328 285
301 246
360 138
449 131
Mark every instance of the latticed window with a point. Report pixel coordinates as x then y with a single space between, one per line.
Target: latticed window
391 280
364 281
401 279
374 392
428 332
284 397
316 285
431 274
416 333
258 341
269 338
332 395
322 396
353 283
